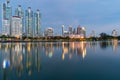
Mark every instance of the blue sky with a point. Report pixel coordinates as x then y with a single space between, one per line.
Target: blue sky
97 15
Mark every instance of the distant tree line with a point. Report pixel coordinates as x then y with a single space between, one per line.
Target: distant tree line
103 36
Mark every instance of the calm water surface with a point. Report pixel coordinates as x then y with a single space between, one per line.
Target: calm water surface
60 61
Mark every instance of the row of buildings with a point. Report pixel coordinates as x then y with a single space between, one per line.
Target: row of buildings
27 24
79 32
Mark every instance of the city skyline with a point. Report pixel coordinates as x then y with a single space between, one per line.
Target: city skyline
95 15
14 25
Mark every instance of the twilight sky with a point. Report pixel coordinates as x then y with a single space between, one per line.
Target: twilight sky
97 15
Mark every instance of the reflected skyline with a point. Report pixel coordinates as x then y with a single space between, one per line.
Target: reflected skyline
21 57
25 58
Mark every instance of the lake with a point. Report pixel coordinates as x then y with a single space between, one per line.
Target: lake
60 60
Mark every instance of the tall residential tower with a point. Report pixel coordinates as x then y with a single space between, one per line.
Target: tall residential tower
20 14
16 27
29 22
37 23
6 18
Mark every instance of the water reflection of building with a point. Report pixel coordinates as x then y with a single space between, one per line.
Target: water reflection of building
81 49
64 49
92 45
68 49
115 44
19 58
49 50
25 58
73 48
32 57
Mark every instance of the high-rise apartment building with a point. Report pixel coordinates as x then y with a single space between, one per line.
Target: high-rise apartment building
6 27
70 30
81 31
19 12
37 23
16 26
29 22
6 18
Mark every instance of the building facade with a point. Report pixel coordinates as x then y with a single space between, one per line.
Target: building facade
70 30
37 23
6 18
49 32
114 33
6 27
81 31
29 22
20 13
16 27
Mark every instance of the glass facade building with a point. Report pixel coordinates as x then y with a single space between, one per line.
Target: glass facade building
6 18
29 22
37 23
20 13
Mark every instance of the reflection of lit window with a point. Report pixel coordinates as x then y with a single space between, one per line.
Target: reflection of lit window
23 50
70 56
63 56
6 64
28 47
17 48
50 55
65 50
72 45
84 53
115 44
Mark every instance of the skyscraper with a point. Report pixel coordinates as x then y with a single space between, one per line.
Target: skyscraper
74 31
19 12
83 32
37 23
29 22
5 27
6 18
79 30
70 30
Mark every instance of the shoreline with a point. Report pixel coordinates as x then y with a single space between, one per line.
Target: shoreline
12 41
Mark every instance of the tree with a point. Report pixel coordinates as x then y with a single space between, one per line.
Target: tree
103 35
